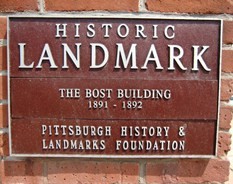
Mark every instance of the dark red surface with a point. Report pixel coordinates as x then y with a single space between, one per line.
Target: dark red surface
199 139
36 32
35 97
40 98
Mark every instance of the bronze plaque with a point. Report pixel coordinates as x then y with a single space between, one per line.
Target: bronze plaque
113 87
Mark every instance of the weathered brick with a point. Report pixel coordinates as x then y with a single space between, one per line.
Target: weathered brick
3 87
194 6
227 60
4 144
3 58
89 5
227 32
26 172
18 5
225 117
3 26
92 172
129 173
187 171
226 89
224 143
3 116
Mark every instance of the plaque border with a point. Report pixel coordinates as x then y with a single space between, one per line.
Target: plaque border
112 16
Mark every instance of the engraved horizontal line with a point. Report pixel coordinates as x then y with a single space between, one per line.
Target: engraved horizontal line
119 78
93 119
112 156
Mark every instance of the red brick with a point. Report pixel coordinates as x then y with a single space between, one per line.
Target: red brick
226 89
3 58
224 143
18 5
3 87
3 26
129 173
26 172
194 6
89 5
3 116
225 117
227 60
187 171
4 144
92 172
227 32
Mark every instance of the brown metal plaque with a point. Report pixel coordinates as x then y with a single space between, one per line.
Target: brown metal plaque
113 87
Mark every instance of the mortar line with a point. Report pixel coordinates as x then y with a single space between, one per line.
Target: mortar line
41 5
227 47
106 13
3 42
4 130
226 75
142 172
45 171
3 102
3 72
142 6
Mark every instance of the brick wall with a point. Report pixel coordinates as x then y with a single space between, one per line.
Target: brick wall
76 170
